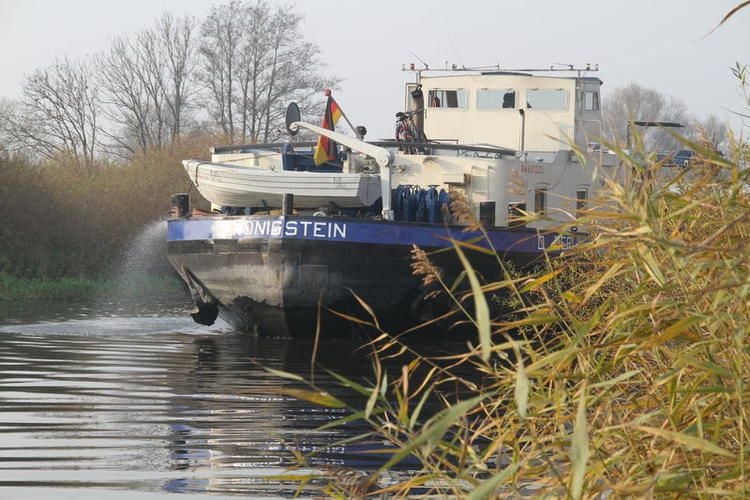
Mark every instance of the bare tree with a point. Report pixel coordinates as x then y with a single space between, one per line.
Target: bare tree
222 37
254 61
148 81
251 61
57 115
712 131
177 37
7 117
127 103
290 75
636 103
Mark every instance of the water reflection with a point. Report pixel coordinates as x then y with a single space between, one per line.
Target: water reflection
154 403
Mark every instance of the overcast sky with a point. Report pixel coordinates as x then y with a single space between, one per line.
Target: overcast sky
658 44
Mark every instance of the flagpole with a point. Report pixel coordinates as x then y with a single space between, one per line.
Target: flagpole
327 93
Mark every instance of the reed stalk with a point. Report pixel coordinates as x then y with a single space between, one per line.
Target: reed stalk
624 369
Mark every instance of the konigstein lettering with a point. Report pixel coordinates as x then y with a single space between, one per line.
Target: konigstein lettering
296 229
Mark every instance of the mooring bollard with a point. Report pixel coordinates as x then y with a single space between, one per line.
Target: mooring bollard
487 213
287 204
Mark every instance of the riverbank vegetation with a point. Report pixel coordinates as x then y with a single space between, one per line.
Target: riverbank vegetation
59 222
624 371
81 288
13 288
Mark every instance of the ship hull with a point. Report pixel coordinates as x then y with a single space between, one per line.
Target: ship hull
290 275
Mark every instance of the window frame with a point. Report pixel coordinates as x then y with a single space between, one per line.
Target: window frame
501 108
431 94
565 92
515 215
581 203
544 192
594 100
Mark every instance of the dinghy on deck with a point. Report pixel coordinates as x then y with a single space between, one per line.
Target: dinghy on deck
241 186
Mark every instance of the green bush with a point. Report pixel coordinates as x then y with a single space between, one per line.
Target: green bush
79 288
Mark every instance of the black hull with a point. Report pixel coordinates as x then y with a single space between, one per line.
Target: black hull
285 286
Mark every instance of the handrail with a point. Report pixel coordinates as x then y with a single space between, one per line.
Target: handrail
382 156
387 143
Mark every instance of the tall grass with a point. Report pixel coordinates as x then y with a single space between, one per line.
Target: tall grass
13 288
625 369
59 221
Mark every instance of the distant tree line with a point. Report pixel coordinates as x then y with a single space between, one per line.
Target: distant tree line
162 94
233 73
634 103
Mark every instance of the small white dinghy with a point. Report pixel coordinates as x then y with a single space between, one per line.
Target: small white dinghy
241 186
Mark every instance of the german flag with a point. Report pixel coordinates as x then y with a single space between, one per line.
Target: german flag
325 150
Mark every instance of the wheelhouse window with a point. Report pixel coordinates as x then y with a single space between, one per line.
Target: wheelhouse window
547 99
496 99
591 101
447 98
540 201
516 214
582 196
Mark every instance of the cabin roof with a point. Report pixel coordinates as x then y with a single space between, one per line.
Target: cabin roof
490 74
514 73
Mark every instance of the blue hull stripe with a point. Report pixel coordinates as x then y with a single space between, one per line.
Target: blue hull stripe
352 231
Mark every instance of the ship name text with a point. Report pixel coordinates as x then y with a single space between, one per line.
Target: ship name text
295 229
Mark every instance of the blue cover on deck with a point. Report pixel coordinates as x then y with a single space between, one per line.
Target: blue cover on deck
303 161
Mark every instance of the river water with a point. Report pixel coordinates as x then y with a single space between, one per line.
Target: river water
103 401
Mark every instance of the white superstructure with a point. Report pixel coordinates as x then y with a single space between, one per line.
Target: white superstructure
510 141
549 121
512 110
